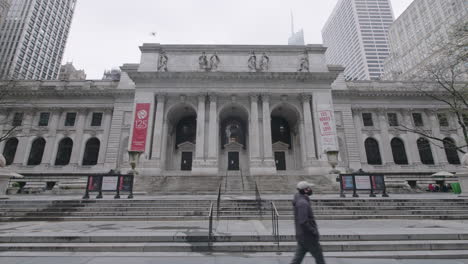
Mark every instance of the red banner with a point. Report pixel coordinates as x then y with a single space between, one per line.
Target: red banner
140 127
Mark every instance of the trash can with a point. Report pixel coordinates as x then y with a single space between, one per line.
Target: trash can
456 188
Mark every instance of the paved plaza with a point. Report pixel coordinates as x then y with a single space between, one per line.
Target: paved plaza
217 259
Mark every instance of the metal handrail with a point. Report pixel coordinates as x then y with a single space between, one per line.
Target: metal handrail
275 224
218 200
242 177
258 198
225 180
210 227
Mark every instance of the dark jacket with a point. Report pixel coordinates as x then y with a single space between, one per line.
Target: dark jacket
306 228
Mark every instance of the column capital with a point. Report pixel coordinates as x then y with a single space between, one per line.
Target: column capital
213 97
161 97
254 97
82 111
108 111
266 98
305 97
201 98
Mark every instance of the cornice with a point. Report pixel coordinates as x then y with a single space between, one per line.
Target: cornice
383 93
156 47
327 77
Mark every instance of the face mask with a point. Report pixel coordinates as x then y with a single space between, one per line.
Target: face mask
308 192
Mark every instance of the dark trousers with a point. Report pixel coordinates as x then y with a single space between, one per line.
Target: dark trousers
311 246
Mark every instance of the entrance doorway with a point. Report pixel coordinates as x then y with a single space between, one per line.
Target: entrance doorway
280 160
186 163
233 161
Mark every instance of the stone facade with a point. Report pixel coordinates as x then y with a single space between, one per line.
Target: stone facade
270 123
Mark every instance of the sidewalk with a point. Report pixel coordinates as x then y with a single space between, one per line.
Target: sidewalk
200 259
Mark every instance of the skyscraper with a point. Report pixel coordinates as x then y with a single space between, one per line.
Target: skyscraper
4 7
356 35
417 35
296 38
33 38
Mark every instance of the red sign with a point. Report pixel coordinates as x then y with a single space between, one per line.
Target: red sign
140 127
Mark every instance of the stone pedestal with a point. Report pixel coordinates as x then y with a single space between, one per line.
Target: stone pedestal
5 176
463 179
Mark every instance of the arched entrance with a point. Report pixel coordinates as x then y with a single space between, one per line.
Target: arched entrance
285 137
233 135
181 140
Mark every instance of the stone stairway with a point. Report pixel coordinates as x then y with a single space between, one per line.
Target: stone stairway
154 210
234 183
189 230
409 245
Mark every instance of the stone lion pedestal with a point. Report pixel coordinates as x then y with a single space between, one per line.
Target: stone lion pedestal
463 177
5 176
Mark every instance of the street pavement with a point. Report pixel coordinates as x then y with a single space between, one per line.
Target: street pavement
197 259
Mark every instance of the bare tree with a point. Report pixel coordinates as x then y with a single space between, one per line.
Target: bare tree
444 78
6 122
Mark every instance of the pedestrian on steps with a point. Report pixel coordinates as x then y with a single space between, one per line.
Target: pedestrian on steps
307 234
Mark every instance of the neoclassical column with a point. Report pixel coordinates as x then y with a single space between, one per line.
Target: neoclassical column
200 141
411 139
78 145
156 148
309 133
107 122
267 142
387 156
438 153
357 113
213 129
254 142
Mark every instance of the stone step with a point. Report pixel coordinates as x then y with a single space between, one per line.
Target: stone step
144 238
437 256
204 211
234 217
328 246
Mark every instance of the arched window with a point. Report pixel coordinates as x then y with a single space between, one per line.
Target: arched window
398 151
37 151
372 152
91 152
280 130
186 130
451 151
425 152
64 152
9 150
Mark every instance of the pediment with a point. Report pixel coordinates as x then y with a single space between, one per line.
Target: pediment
280 145
187 145
233 146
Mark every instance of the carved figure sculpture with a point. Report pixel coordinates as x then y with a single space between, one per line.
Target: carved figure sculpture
203 62
214 62
252 62
304 63
162 62
264 62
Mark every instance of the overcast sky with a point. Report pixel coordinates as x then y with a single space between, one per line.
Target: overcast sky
107 33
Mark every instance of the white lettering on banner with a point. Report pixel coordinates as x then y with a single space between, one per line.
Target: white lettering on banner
327 129
109 183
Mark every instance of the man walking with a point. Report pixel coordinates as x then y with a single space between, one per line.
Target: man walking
307 234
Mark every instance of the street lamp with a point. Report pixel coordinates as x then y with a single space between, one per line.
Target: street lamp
134 157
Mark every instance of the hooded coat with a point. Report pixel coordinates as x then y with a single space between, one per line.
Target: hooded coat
306 227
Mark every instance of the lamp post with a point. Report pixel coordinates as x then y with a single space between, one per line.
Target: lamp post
134 158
